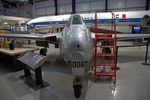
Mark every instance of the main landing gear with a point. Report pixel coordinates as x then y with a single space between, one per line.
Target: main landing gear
77 86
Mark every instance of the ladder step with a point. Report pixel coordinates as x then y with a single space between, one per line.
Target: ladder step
109 55
104 38
109 46
103 35
105 64
105 74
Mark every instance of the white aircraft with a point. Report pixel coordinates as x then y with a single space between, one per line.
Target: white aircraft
124 20
76 46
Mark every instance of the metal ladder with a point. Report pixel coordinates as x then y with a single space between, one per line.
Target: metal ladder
105 52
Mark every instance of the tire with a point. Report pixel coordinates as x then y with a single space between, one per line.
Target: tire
77 90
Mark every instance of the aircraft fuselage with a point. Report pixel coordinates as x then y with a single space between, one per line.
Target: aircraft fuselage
77 43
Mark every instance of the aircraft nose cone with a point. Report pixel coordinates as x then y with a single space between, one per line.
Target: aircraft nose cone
77 50
76 46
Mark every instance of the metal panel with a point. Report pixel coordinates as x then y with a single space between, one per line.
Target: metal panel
11 12
89 5
149 4
25 11
78 1
1 8
82 6
64 2
116 4
64 8
96 5
69 8
44 4
50 10
135 3
41 11
61 9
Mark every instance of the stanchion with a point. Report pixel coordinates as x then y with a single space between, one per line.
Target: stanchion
146 55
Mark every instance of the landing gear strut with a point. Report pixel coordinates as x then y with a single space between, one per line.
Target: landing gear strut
77 86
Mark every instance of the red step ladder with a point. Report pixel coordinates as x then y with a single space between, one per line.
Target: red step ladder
105 53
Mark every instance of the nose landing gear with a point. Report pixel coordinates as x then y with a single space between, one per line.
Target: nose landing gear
77 86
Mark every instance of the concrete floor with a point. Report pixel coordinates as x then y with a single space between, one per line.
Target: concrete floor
133 80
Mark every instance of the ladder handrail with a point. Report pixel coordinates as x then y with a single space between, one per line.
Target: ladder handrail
113 19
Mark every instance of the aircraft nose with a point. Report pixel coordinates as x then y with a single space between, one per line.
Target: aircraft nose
76 46
77 50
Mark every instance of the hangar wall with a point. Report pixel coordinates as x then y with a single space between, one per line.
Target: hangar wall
25 11
7 11
47 7
65 6
127 4
44 8
11 9
89 5
1 8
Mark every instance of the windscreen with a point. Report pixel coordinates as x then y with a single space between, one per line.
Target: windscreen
76 19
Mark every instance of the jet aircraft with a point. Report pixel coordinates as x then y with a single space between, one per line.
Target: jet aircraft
76 43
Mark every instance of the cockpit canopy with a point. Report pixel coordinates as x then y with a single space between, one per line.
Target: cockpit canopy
75 20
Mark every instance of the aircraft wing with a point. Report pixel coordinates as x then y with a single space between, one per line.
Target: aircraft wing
52 38
124 36
132 36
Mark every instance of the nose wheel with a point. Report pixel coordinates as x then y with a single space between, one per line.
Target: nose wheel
77 86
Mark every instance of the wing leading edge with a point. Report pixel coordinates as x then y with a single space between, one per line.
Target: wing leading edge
132 36
51 38
123 36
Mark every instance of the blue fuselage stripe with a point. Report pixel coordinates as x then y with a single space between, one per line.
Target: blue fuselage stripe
89 21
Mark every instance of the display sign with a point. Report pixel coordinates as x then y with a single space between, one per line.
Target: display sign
32 59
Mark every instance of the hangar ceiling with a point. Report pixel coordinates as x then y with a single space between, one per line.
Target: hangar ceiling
15 3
